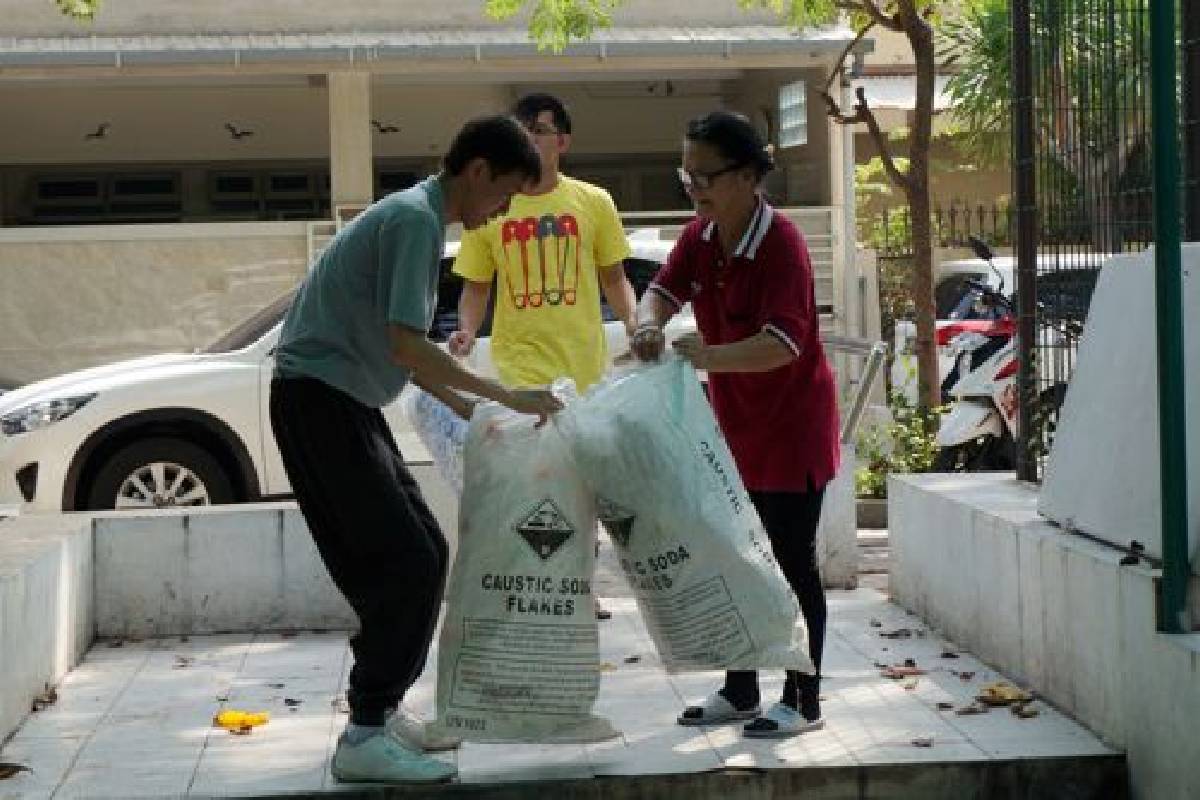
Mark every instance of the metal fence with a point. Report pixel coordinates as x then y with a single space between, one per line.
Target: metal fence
1083 174
890 231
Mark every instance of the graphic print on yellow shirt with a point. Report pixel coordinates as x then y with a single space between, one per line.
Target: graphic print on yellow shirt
544 254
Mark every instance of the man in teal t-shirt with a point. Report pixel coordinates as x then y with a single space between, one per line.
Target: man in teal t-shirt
354 336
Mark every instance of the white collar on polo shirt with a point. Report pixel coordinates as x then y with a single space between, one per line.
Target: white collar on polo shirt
756 231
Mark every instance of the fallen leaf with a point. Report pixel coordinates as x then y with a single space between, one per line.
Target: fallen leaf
966 676
895 673
632 659
945 706
923 741
880 665
183 662
1025 710
949 654
1003 693
291 703
222 698
973 708
245 730
9 769
47 698
899 633
910 662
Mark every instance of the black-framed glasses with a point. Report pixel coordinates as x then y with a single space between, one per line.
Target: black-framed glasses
694 179
541 129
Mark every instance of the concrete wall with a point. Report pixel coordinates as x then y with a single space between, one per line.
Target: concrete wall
81 296
1060 614
250 568
1103 476
46 610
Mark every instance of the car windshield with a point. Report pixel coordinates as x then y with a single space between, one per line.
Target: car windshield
254 327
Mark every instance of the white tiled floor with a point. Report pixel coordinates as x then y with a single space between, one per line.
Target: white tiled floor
135 720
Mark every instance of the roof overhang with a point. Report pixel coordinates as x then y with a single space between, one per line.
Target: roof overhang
422 51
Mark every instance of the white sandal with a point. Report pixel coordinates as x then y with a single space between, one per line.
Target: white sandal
779 722
716 710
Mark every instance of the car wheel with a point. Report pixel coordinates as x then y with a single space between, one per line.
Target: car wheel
160 473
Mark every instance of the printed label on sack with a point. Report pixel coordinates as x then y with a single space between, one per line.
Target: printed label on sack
524 667
699 625
616 519
545 529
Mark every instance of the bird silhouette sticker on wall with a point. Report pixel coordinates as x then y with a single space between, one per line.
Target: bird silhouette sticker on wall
234 133
100 132
385 129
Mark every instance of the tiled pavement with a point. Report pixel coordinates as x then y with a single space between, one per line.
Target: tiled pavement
135 720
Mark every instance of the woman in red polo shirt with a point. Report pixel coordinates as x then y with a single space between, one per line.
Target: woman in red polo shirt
745 269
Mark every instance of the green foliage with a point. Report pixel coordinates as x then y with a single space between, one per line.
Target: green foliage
553 24
79 9
799 14
907 444
980 42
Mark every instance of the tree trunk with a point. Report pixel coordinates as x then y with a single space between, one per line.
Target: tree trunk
920 35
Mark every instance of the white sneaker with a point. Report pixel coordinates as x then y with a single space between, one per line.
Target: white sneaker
414 733
382 759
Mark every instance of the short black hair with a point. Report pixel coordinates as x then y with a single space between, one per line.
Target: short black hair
735 138
501 141
529 106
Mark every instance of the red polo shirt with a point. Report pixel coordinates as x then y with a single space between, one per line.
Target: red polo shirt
781 425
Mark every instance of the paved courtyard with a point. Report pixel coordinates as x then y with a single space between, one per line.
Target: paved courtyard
134 719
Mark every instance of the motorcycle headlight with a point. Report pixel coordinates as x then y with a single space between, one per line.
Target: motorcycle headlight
41 414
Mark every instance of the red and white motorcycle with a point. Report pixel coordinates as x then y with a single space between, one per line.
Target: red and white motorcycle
979 431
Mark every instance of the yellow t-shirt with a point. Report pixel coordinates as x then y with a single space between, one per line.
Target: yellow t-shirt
545 253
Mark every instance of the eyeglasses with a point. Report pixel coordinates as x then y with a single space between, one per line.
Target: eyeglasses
692 179
541 129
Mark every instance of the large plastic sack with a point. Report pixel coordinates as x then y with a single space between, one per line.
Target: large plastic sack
443 433
518 659
687 536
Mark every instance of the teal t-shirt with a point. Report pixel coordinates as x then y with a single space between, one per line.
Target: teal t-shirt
379 270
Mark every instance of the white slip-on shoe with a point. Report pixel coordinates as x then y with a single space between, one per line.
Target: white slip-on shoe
779 722
716 710
382 759
415 733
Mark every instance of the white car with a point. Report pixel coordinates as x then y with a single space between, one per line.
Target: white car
189 429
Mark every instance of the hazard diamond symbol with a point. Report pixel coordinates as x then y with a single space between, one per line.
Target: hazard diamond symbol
617 520
545 529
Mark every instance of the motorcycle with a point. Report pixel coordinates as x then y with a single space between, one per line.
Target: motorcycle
979 431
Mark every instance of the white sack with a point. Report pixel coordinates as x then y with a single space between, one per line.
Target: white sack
687 536
518 658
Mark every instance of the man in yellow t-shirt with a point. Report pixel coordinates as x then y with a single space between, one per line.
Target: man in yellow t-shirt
550 255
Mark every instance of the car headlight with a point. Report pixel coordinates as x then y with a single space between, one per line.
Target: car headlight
45 412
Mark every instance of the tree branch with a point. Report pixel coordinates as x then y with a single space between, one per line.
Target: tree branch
863 114
841 62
